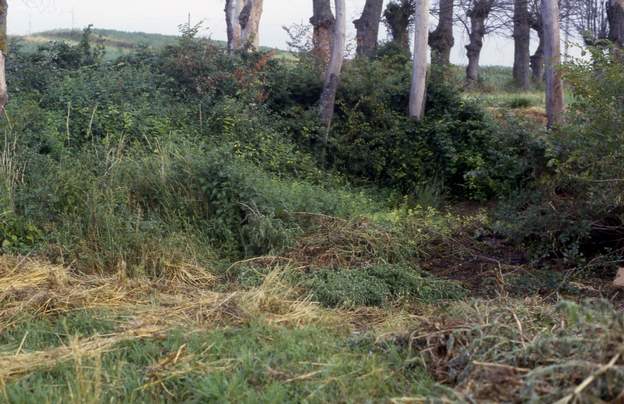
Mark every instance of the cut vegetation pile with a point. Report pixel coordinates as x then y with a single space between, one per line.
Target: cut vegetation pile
149 308
527 350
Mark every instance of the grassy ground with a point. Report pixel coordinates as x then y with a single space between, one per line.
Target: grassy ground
259 331
89 339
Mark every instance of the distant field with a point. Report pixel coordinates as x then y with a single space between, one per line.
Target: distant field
117 43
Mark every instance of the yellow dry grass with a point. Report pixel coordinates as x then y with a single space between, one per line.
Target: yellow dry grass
12 365
149 307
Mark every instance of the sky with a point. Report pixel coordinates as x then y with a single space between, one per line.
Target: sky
164 16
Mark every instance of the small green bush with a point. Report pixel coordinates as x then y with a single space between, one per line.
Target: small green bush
520 102
377 286
17 234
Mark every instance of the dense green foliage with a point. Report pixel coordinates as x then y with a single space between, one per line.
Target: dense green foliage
456 146
377 286
98 153
201 153
576 212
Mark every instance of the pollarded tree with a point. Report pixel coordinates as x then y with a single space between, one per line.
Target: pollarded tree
615 16
332 73
596 21
249 19
537 59
398 17
419 69
479 18
367 27
552 60
4 94
441 39
323 29
242 18
232 13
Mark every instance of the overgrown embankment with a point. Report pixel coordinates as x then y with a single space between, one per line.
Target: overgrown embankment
175 226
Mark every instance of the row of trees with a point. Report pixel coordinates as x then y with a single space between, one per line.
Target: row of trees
592 20
479 17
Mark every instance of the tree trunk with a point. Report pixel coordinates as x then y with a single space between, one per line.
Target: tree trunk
233 9
367 27
441 39
522 38
323 24
4 94
615 14
552 60
477 15
332 75
250 23
537 60
419 70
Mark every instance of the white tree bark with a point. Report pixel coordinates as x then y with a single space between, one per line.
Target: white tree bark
250 23
419 70
232 13
552 60
332 74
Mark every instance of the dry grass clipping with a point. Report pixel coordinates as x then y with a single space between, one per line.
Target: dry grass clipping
524 350
13 365
151 307
339 243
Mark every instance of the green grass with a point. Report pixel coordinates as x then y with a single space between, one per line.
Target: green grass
378 286
33 332
509 100
116 43
254 363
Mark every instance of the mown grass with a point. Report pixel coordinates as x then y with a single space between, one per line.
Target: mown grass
256 363
180 341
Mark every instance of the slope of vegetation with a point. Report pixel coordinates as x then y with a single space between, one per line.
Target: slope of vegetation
117 43
175 226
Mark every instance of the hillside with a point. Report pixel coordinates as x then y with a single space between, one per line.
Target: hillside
117 43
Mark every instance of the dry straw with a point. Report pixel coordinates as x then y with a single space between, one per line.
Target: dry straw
150 307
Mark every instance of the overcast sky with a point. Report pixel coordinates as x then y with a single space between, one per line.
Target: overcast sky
164 16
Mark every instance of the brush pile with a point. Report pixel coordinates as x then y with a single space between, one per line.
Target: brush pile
337 243
527 351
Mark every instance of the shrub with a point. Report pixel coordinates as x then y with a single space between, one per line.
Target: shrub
520 102
17 235
451 146
578 211
377 286
373 140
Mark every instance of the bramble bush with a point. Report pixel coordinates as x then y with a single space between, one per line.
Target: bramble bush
373 140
